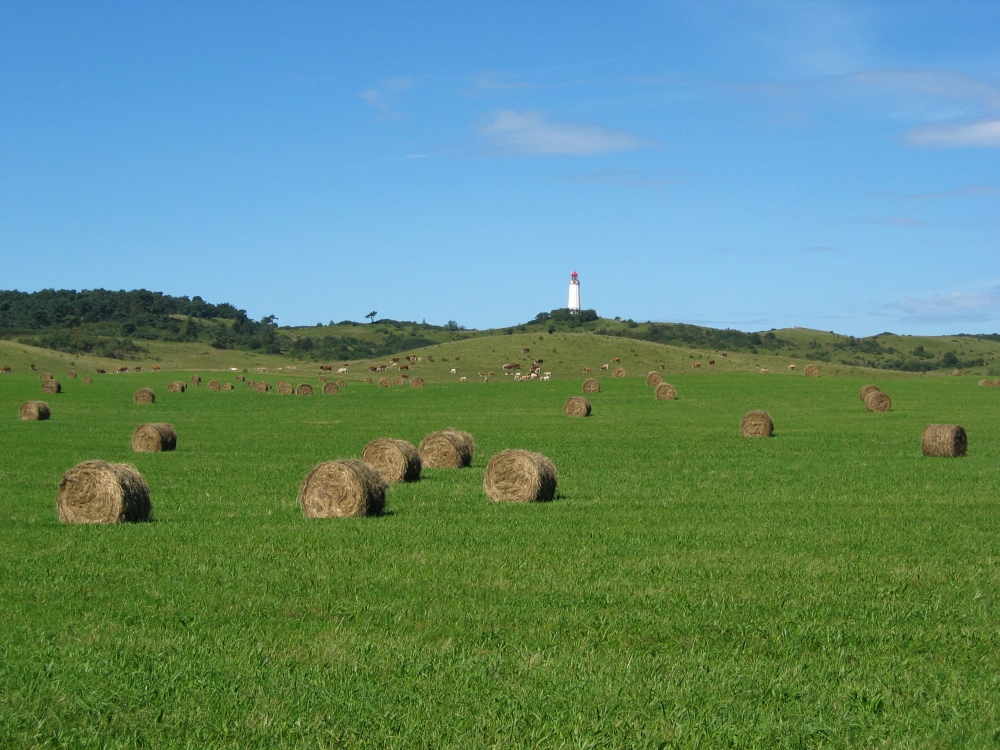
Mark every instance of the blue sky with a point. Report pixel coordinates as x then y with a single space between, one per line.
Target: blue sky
750 165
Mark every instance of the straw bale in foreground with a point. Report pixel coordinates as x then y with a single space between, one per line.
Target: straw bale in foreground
665 392
877 401
214 385
154 437
591 385
394 460
304 389
261 387
102 492
944 440
757 423
866 389
619 372
654 378
178 386
384 383
144 396
330 388
520 476
284 388
35 411
577 406
447 449
342 489
416 382
51 386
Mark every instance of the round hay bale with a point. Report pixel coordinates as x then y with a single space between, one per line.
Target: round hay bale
322 378
591 385
87 379
866 389
45 376
394 460
416 382
102 492
241 378
368 380
304 389
51 386
154 437
447 449
619 372
178 386
330 388
399 380
384 383
284 388
144 396
229 387
35 411
342 489
341 383
196 380
996 383
653 379
987 383
71 375
877 401
214 385
665 392
957 373
577 406
520 476
944 440
811 371
261 386
757 423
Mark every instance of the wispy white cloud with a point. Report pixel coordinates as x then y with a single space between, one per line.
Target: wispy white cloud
957 306
381 98
975 134
527 132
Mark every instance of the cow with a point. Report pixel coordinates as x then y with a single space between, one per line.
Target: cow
404 367
157 368
763 369
605 367
696 365
373 368
511 365
616 359
711 361
791 367
326 368
525 350
137 369
32 367
122 369
538 362
663 366
101 371
588 369
463 379
5 369
454 371
342 370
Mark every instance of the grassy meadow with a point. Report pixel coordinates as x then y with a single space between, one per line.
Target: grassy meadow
687 588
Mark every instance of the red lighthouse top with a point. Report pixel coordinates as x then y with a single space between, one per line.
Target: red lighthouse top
574 274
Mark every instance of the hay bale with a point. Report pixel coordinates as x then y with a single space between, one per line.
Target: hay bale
653 379
261 386
71 375
229 387
944 440
284 388
368 380
384 383
304 389
987 383
214 385
35 411
416 382
330 388
866 389
520 476
102 492
591 385
51 386
45 376
144 396
394 460
957 373
877 401
996 383
241 378
154 437
757 423
619 372
322 378
665 392
399 380
342 489
178 386
811 371
447 449
87 379
341 383
577 406
196 380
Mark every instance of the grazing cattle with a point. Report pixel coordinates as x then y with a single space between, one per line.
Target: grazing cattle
605 367
380 368
791 367
122 369
511 365
136 369
616 359
546 376
394 361
763 369
157 367
411 358
373 368
5 369
663 366
102 372
342 370
538 362
588 369
463 379
724 354
32 367
261 370
696 364
430 359
326 367
454 371
404 367
711 361
526 350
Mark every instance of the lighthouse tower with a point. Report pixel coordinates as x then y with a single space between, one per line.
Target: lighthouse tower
574 294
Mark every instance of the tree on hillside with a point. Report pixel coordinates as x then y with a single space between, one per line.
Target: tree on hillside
371 315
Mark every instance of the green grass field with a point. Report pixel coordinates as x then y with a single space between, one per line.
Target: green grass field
689 588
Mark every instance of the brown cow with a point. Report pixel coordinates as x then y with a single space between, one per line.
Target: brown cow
696 364
138 369
156 367
102 371
326 367
122 369
616 359
6 369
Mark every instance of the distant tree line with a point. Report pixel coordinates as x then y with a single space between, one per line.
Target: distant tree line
683 334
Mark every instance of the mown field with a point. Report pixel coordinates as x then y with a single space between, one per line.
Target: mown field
826 587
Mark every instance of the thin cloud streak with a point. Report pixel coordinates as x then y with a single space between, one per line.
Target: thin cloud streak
527 132
984 134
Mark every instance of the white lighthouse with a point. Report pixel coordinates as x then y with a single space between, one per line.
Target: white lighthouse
574 294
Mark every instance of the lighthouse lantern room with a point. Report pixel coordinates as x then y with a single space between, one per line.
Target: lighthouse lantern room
574 294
